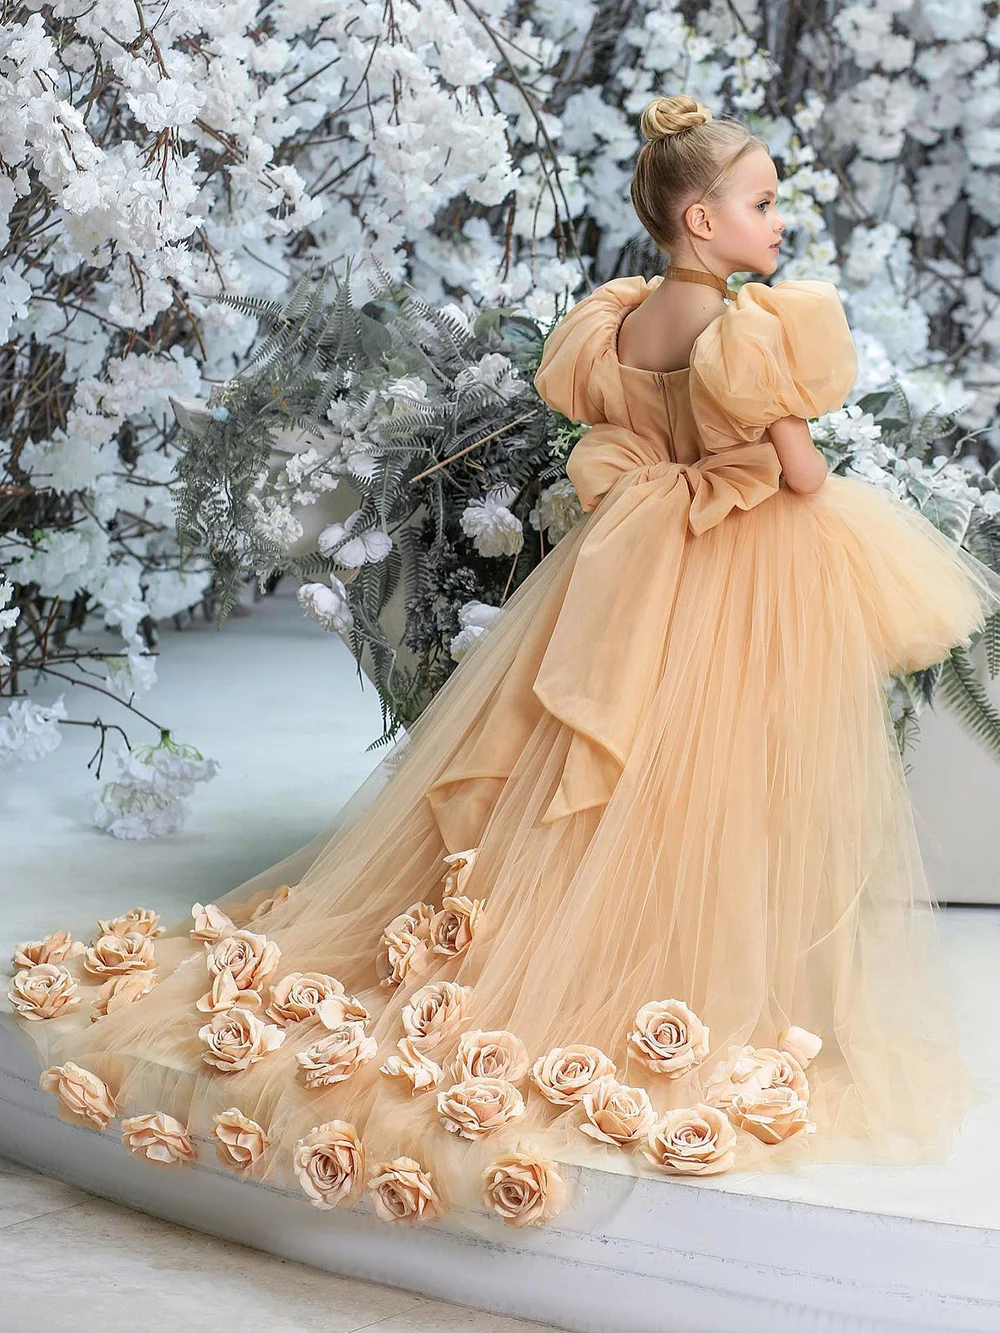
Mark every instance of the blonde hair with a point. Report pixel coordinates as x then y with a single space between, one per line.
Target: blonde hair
689 152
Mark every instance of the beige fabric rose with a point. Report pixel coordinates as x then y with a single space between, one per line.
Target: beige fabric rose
399 954
413 1064
616 1113
402 1191
452 928
159 1139
801 1043
691 1141
251 959
669 1038
337 1009
224 994
112 955
83 1094
44 991
771 1114
785 1070
54 948
459 868
405 945
478 1106
748 1069
136 921
336 1056
330 1164
524 1189
298 995
210 923
117 992
496 1054
269 904
435 1012
237 1038
567 1073
240 1142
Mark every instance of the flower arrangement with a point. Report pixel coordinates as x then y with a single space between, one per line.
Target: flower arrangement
428 417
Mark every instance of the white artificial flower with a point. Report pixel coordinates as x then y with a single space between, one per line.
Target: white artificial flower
30 731
147 797
131 676
15 294
409 386
361 460
366 549
171 591
8 618
117 590
68 462
557 511
495 531
63 562
494 370
475 618
274 521
327 604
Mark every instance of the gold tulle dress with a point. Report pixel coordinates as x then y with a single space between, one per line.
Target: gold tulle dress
646 849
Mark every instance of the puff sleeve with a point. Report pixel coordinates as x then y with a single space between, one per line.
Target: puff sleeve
777 351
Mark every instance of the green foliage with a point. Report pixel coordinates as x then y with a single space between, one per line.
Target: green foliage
968 699
336 372
953 506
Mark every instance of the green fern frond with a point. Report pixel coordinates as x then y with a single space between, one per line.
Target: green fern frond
968 700
991 643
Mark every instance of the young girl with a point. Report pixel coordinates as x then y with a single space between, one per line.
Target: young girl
641 889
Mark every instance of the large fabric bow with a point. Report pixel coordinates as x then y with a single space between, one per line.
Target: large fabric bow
603 660
592 654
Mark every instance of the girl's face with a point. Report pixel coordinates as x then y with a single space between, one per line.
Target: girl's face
746 226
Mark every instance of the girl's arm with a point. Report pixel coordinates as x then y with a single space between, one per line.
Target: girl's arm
802 464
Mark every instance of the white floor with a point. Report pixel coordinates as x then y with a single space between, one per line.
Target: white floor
279 704
79 1262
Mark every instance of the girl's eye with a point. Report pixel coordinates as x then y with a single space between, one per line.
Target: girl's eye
762 204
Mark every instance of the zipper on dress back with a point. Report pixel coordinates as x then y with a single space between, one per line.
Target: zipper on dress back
663 395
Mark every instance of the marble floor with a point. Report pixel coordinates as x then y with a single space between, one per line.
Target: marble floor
79 1262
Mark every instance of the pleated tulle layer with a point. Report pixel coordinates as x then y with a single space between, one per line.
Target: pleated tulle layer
756 859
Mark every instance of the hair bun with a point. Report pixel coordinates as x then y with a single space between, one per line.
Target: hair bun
664 116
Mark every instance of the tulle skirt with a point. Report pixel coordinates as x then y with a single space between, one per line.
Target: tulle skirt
755 861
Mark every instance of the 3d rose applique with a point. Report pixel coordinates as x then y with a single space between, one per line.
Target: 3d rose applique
413 1065
84 1096
691 1141
249 958
54 948
479 1106
330 1164
240 1142
615 1113
523 1189
669 1038
567 1073
236 1039
158 1138
402 1191
435 1012
496 1054
48 990
336 1055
